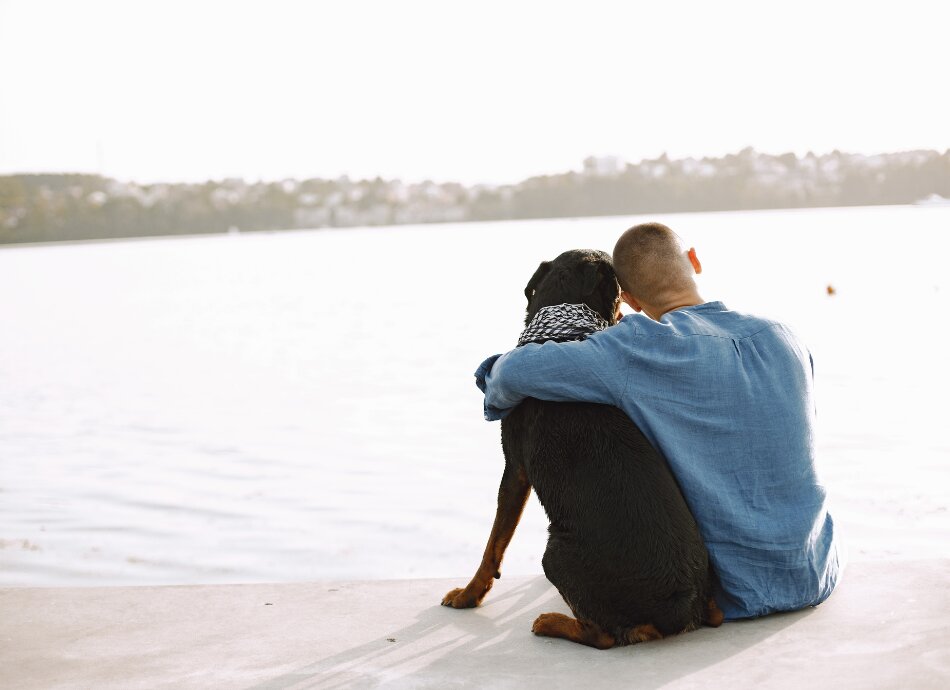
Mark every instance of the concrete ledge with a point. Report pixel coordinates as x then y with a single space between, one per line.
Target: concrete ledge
887 626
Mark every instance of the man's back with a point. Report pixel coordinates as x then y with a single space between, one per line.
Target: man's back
727 398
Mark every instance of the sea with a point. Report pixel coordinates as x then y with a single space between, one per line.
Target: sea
300 405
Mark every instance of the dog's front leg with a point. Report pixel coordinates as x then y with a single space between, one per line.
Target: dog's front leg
512 496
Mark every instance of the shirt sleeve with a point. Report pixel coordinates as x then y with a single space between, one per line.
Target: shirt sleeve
581 371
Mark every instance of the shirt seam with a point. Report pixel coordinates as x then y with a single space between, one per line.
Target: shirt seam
710 335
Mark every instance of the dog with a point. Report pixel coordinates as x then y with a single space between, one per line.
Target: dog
623 549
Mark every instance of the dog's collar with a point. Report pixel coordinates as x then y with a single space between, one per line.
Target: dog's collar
562 322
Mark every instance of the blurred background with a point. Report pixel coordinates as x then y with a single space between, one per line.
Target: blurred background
251 254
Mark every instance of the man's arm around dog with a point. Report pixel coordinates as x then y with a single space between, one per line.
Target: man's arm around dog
728 399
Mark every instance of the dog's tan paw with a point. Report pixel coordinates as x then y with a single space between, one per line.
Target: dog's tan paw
460 598
559 625
551 624
713 616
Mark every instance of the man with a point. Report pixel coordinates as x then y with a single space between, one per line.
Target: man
726 397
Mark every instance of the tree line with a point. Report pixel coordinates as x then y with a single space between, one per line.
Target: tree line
48 207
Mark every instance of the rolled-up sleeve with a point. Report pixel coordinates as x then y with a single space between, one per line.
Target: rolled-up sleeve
582 371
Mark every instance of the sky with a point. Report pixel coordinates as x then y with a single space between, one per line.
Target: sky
477 92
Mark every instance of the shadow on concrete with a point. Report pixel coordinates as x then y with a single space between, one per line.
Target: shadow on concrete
492 646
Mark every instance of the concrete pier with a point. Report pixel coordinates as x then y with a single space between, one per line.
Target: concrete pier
887 626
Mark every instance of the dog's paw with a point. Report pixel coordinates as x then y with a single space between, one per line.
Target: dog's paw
559 625
550 624
713 616
460 598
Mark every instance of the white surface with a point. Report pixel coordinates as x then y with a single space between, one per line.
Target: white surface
886 627
297 406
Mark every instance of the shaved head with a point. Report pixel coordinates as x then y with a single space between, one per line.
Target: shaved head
652 265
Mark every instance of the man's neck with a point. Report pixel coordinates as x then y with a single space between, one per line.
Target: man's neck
656 313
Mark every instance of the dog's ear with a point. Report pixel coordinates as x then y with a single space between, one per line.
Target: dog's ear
593 274
601 289
542 271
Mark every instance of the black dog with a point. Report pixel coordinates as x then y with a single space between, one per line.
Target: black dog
624 550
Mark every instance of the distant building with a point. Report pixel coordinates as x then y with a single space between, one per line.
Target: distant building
603 166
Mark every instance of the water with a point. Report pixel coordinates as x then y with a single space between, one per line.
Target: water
300 405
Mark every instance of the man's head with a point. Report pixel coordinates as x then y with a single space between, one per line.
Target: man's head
655 271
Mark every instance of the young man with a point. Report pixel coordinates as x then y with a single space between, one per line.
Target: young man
726 397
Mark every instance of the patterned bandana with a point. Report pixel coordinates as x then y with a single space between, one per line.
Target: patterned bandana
562 322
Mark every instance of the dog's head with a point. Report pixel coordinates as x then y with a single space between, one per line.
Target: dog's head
578 276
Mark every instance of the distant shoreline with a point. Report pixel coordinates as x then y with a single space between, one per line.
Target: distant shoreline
67 207
224 233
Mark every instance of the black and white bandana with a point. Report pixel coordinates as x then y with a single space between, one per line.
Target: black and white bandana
562 322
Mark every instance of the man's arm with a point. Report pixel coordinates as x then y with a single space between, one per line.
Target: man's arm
583 371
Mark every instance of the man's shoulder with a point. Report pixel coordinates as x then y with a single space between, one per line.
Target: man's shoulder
715 319
712 319
746 324
770 333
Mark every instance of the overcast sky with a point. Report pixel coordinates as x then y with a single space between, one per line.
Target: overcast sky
476 92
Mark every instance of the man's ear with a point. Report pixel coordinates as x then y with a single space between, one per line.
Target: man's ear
693 259
532 285
628 298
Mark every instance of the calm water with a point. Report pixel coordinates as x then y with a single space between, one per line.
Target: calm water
300 405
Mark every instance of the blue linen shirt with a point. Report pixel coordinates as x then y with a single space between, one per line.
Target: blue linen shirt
728 399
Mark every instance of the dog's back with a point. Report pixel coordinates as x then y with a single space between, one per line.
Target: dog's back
623 549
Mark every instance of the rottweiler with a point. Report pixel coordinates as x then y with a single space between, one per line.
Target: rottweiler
623 548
